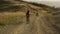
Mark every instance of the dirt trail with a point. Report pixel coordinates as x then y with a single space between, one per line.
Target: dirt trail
40 25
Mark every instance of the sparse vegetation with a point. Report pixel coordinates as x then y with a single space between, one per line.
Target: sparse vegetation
11 17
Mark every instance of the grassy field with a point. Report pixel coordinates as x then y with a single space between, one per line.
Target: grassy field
11 17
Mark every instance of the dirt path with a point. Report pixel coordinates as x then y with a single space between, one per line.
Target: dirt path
40 25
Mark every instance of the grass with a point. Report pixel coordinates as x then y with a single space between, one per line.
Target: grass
11 17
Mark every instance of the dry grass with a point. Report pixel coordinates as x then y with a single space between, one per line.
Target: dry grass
11 17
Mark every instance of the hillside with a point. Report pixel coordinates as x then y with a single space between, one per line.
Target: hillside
17 5
13 18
